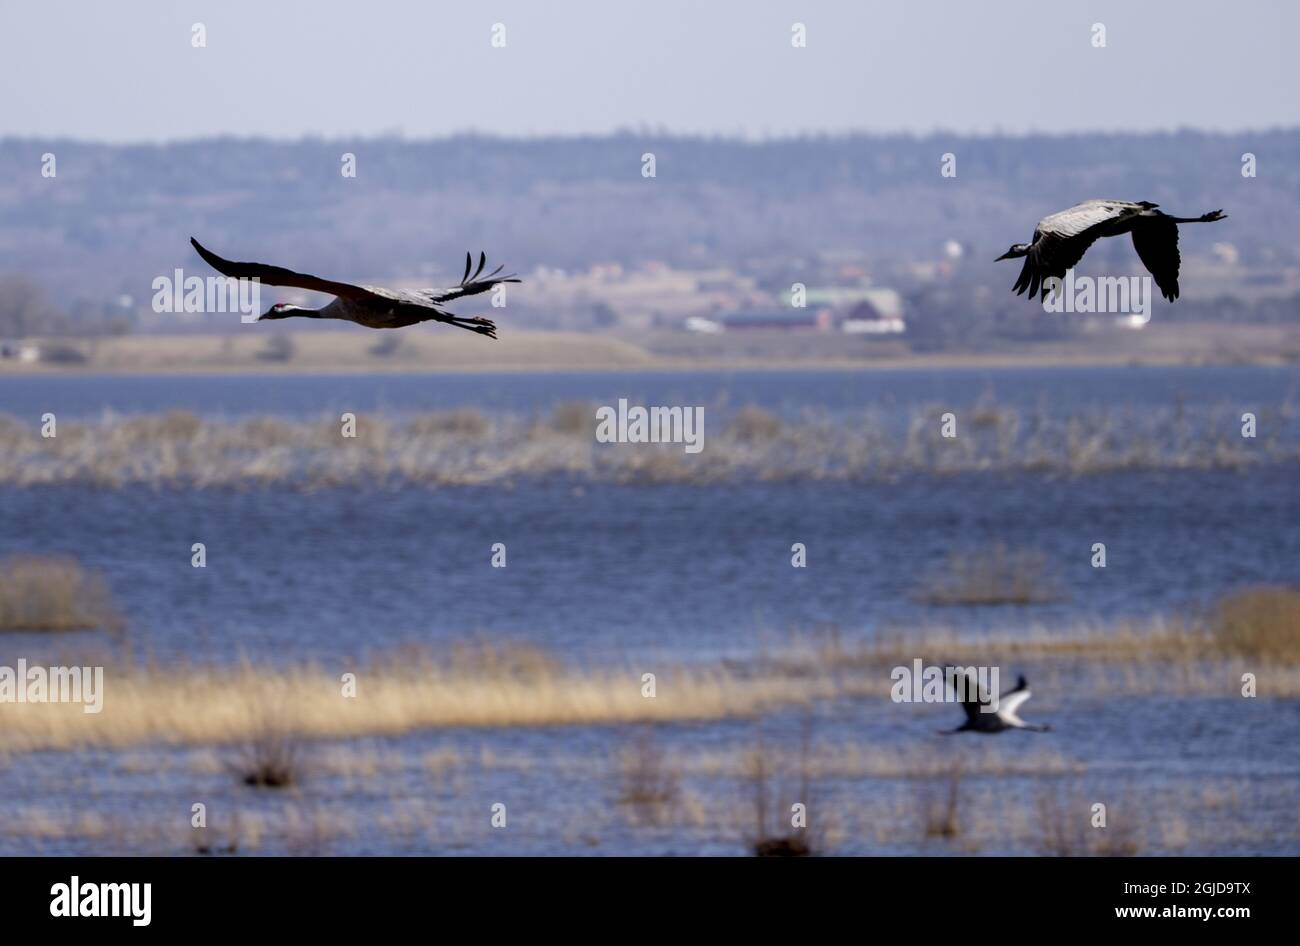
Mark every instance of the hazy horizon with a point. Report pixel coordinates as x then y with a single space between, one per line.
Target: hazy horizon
659 133
130 75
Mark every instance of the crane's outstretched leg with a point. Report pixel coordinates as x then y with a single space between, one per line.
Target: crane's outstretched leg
474 323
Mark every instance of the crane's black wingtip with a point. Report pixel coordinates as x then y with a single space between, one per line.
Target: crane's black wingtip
204 252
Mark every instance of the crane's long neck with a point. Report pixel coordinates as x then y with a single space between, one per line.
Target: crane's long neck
1203 218
295 311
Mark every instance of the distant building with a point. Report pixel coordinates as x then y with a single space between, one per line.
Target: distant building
886 303
785 318
868 310
879 304
703 326
20 351
864 310
1226 253
873 326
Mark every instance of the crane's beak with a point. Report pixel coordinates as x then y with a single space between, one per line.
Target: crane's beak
1006 255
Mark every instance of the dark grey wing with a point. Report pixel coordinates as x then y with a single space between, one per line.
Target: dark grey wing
970 706
1062 238
279 276
469 285
1156 242
1050 256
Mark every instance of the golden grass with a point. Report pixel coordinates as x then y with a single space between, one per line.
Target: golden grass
1259 622
219 705
1159 641
53 593
1173 658
477 685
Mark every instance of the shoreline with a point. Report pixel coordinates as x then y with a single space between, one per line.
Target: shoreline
659 366
344 352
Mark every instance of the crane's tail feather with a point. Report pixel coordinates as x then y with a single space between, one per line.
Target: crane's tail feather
469 261
479 282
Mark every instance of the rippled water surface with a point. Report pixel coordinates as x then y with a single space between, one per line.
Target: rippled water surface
629 575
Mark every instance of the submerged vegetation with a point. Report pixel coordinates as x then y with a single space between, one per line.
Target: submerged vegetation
649 782
363 798
995 575
53 593
467 447
271 755
256 736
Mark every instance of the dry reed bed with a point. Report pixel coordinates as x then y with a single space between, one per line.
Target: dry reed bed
1168 658
232 705
249 705
1252 626
466 447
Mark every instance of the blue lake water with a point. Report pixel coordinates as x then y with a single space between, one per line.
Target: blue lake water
786 391
693 571
606 573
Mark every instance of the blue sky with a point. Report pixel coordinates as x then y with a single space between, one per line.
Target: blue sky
126 71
